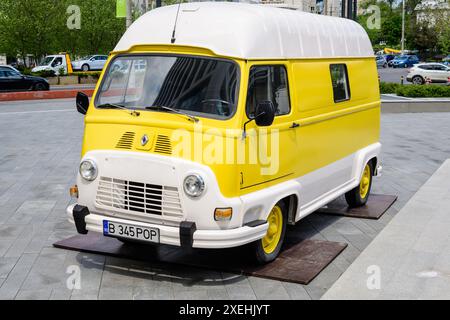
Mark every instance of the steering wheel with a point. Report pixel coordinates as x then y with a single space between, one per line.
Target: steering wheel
224 111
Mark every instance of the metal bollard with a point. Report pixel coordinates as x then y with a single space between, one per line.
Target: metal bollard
402 80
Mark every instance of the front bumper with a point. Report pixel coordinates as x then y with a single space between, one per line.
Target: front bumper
184 235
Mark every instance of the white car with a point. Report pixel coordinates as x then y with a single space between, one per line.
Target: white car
53 62
90 63
436 72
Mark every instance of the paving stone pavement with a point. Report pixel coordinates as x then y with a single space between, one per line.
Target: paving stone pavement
39 153
410 258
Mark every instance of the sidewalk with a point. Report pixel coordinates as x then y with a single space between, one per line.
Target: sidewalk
412 252
393 98
43 95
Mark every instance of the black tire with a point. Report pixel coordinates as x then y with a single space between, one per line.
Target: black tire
40 87
260 254
417 80
85 68
353 197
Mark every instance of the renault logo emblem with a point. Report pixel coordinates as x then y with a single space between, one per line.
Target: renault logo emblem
144 140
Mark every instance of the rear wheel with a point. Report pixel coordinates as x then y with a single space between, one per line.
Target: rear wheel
359 195
268 248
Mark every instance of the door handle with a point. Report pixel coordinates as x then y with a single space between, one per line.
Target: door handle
294 125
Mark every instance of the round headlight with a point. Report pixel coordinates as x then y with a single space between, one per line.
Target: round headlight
88 170
194 185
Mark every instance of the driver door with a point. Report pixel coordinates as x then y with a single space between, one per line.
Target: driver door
270 152
17 82
57 64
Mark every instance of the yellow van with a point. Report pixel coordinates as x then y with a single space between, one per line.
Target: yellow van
214 125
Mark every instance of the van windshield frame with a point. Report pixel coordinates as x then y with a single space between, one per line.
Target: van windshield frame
234 89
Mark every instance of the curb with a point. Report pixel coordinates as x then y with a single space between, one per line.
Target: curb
36 95
410 106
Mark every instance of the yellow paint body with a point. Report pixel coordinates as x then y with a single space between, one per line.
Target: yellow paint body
328 131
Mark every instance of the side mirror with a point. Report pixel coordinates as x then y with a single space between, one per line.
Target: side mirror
82 103
264 113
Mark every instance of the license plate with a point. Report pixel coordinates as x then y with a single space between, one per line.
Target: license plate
122 230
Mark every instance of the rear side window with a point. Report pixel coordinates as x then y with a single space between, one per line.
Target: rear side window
268 83
439 67
339 80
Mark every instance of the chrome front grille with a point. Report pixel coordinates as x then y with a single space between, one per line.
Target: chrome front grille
139 197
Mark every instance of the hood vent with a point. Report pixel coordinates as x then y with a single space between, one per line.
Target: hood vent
126 142
163 145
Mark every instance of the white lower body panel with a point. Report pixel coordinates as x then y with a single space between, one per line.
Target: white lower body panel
312 190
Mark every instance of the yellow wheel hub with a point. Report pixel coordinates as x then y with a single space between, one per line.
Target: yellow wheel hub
365 182
273 235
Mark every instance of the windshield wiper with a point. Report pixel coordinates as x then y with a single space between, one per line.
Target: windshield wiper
169 109
118 106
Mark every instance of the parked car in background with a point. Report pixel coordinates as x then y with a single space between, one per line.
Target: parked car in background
436 72
12 80
95 62
381 62
405 61
389 58
446 59
53 63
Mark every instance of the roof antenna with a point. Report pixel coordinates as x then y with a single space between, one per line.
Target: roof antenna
175 25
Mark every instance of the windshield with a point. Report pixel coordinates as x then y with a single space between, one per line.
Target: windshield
47 61
198 86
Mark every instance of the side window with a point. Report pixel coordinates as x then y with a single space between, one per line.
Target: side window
268 83
439 67
339 80
57 62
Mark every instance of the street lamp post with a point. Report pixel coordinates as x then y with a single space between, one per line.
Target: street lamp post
403 26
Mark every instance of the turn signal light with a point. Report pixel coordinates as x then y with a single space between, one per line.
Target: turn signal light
74 191
223 214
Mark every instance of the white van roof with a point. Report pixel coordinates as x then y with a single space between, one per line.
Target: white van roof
250 31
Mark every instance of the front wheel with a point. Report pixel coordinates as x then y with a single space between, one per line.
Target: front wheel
418 80
85 67
268 248
358 196
39 87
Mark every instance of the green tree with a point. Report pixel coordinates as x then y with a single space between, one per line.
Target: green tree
39 27
100 29
29 26
390 24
